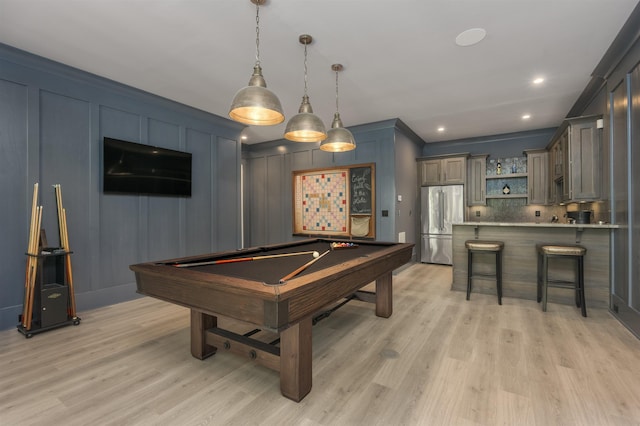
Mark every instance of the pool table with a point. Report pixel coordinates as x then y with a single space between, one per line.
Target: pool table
257 291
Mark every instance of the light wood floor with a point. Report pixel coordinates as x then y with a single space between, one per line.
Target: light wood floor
439 360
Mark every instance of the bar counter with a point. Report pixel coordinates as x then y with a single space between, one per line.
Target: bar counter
519 265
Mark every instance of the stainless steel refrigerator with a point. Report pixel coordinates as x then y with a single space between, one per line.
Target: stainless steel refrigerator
441 206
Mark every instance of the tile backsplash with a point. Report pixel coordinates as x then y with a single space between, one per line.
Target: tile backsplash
517 210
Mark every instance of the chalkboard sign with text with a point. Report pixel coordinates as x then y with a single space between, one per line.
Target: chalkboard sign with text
360 182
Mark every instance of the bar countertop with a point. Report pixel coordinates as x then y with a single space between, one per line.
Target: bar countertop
543 224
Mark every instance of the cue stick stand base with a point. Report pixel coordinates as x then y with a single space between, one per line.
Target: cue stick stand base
51 301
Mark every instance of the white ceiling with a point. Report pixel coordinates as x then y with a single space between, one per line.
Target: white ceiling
400 58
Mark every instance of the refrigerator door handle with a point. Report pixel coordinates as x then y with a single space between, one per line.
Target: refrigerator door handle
442 201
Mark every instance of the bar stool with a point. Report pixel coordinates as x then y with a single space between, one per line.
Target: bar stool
576 252
480 246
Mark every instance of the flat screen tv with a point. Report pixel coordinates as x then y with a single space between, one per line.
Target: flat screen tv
143 169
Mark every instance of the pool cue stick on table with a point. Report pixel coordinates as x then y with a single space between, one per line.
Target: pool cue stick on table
302 268
244 259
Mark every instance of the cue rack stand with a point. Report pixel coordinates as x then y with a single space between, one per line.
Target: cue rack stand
49 299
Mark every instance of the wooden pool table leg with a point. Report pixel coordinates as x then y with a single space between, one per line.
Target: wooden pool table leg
295 360
384 295
200 322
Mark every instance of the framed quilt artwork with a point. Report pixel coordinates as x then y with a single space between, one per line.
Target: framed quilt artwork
335 202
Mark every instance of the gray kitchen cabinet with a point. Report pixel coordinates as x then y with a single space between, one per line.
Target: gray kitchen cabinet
585 165
538 179
477 178
443 171
556 157
576 161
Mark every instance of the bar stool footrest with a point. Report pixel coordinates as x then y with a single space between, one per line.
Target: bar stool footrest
477 275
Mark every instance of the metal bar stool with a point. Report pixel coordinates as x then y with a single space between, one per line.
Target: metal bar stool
480 246
547 251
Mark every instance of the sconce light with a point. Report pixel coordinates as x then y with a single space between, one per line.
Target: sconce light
255 104
338 138
305 126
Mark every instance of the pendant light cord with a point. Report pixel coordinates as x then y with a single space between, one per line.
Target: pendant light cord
257 33
337 110
305 69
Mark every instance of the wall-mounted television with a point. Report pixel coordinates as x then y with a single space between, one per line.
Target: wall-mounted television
135 168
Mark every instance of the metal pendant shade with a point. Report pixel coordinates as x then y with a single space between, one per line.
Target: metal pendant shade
338 138
305 126
255 104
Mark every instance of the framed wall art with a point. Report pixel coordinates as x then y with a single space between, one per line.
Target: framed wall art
335 202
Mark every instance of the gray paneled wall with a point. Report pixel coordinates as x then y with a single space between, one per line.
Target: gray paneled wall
269 168
52 121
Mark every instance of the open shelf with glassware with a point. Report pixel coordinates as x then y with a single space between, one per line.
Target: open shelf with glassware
507 178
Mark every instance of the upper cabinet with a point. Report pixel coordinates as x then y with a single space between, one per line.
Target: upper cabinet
557 154
538 176
477 178
576 161
443 171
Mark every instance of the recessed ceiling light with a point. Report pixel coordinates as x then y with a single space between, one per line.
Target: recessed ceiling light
243 137
526 116
441 129
538 80
471 37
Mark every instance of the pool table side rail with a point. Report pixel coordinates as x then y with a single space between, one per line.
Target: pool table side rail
207 297
274 307
311 293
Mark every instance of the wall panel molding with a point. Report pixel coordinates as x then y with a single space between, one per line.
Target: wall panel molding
57 117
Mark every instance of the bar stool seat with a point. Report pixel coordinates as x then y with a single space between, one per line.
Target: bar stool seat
484 246
575 252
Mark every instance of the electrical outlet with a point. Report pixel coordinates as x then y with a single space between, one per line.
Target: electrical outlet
537 213
477 213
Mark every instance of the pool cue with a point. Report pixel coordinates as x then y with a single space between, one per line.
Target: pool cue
64 243
30 260
32 225
58 191
32 276
302 268
240 259
30 268
72 296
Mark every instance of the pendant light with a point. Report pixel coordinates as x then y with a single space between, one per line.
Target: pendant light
255 104
338 138
305 126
